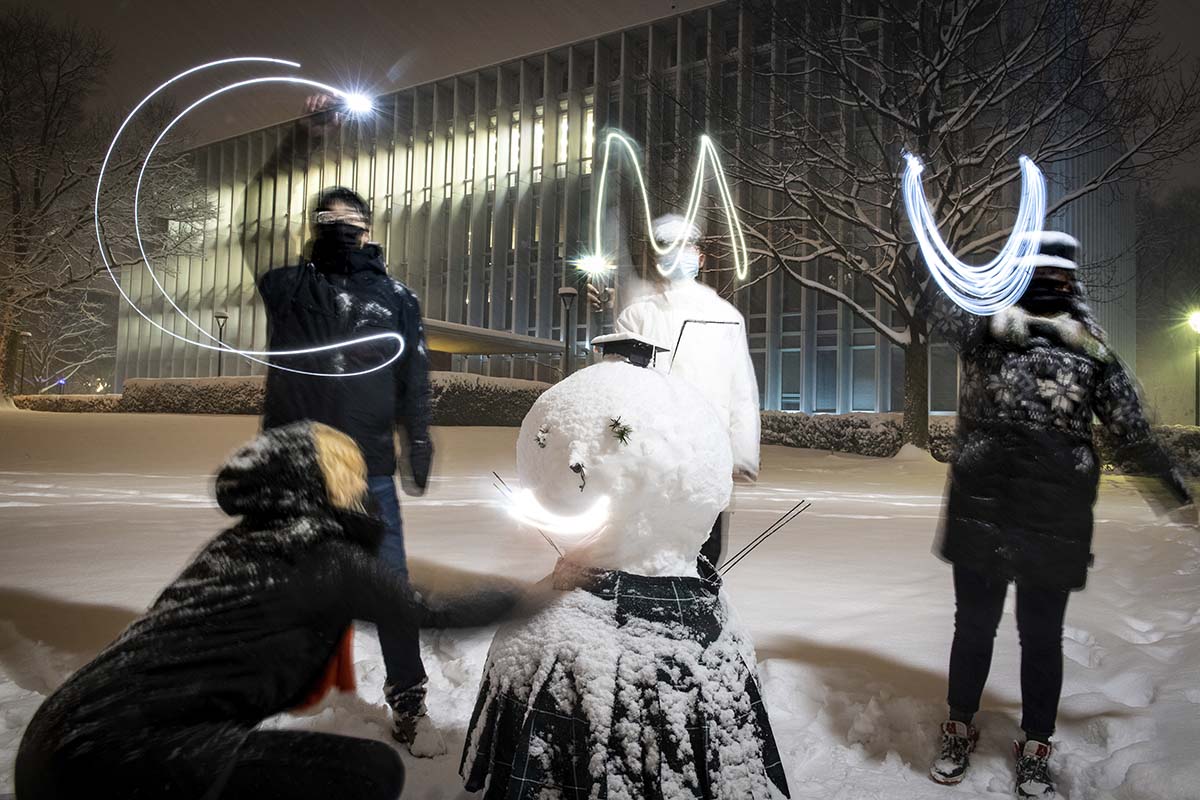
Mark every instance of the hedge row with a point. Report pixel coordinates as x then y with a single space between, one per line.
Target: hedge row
458 399
878 435
92 403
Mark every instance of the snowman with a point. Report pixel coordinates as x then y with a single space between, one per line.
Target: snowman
633 681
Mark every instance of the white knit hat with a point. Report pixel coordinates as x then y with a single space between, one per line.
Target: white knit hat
672 229
1056 250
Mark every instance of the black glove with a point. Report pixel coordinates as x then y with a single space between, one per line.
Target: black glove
420 460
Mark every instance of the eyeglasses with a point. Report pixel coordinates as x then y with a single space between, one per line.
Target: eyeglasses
334 217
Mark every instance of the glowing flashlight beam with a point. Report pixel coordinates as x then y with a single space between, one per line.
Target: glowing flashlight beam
525 508
357 103
595 266
988 288
708 160
252 355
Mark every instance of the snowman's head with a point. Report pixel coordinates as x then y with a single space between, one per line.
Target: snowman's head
630 464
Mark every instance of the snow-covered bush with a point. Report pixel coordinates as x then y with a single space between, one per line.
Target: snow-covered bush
463 399
864 434
229 395
90 403
458 398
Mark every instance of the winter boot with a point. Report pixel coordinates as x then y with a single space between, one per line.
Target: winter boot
1033 770
958 742
408 705
411 726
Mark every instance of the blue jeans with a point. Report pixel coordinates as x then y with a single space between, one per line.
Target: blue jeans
401 644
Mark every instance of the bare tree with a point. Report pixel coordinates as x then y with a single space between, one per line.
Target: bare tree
835 92
71 341
51 149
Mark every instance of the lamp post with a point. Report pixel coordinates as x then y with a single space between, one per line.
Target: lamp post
221 318
25 337
568 294
1194 324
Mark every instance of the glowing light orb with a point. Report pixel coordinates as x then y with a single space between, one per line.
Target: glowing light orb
358 103
595 266
1194 321
258 356
708 160
988 288
525 508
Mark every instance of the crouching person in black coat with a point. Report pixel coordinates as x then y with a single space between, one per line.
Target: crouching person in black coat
170 709
1022 485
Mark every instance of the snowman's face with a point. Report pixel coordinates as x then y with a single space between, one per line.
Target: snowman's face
626 452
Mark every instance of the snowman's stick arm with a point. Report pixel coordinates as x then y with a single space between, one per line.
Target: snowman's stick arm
779 524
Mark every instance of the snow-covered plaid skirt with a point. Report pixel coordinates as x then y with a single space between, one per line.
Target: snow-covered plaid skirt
627 687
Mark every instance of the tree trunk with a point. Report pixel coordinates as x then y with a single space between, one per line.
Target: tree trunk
8 336
8 365
916 391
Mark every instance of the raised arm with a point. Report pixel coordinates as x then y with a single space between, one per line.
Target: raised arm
1119 408
959 327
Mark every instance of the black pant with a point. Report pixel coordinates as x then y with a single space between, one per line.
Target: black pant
979 601
298 765
269 765
401 644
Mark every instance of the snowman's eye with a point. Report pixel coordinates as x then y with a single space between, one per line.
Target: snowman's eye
541 436
619 430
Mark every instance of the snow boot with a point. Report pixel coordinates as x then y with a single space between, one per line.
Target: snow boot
958 742
408 706
1033 770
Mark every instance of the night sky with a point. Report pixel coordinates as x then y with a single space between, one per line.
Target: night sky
380 45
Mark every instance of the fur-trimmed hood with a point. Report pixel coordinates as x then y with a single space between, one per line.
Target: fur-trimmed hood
278 476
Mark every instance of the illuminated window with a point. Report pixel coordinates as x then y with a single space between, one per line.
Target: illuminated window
563 128
490 163
427 178
408 172
589 138
469 180
539 140
514 143
448 164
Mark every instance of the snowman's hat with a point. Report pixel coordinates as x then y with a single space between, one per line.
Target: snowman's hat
633 348
1056 250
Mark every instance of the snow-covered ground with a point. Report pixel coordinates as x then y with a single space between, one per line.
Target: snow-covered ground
850 612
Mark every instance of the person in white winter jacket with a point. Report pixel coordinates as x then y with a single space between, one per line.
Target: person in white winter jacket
706 339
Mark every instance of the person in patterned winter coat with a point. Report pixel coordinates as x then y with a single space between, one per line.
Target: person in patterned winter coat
169 710
1022 484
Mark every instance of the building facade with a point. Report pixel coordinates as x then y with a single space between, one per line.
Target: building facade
482 186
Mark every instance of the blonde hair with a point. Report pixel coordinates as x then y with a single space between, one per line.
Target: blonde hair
342 467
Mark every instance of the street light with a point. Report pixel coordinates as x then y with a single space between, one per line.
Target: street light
1194 324
221 318
25 337
568 294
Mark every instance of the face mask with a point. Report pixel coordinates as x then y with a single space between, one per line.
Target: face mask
334 243
1046 297
686 267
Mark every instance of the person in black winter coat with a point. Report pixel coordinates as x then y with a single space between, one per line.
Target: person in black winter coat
1023 481
169 710
340 294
